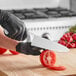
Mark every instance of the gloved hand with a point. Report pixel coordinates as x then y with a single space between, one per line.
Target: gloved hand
13 27
26 48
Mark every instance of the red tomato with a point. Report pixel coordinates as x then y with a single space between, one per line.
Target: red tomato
58 68
74 36
48 58
69 33
14 52
2 50
69 39
62 42
71 45
62 38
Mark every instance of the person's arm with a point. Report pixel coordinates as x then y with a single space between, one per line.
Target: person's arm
13 34
7 42
11 44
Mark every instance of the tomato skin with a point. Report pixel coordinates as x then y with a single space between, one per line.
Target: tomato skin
74 36
62 42
45 54
14 52
57 68
63 38
2 50
67 34
69 39
41 59
71 45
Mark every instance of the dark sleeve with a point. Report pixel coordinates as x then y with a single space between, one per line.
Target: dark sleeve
14 27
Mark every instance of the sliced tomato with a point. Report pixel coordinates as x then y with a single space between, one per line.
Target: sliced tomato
58 68
48 58
2 50
14 52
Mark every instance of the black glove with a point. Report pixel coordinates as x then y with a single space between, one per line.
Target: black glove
13 26
26 48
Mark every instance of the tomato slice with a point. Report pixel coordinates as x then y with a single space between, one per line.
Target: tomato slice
48 58
14 52
2 50
58 68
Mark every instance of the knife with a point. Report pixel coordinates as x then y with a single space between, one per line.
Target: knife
48 44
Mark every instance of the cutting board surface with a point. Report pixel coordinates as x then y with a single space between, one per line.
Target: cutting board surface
28 65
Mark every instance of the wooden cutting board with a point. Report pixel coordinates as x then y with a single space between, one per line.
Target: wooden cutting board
28 65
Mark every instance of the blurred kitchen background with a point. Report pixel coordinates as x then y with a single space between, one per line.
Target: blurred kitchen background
45 18
10 4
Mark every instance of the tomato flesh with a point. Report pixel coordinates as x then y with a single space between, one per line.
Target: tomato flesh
47 58
14 52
